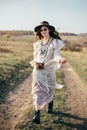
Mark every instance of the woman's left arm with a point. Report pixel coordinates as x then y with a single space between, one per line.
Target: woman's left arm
57 55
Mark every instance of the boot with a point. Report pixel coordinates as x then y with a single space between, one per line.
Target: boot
50 107
36 118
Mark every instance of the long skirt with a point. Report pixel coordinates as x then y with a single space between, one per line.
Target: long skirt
43 87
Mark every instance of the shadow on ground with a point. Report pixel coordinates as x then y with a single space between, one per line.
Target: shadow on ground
78 126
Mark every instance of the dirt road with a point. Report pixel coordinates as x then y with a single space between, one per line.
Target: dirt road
76 98
20 100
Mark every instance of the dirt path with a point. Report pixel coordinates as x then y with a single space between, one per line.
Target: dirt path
76 98
20 100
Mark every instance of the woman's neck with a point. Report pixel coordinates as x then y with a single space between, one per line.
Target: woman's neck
46 39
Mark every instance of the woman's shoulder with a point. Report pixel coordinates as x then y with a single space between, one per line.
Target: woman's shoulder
58 43
37 43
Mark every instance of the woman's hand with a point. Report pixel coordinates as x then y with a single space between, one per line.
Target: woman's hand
62 61
40 66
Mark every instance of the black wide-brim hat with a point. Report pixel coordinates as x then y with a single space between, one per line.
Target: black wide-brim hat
43 23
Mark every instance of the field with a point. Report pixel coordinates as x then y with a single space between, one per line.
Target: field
15 53
77 58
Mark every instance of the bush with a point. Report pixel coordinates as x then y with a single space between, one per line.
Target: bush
76 47
72 46
4 50
84 44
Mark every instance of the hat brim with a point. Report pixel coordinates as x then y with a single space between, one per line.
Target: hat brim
37 28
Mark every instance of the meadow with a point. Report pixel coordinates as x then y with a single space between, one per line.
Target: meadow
16 51
15 54
76 54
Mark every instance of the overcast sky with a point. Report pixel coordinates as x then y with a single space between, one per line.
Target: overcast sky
65 15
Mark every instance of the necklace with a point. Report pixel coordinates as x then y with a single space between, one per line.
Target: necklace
43 43
44 48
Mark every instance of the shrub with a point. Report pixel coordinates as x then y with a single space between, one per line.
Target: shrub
84 44
76 47
4 50
72 46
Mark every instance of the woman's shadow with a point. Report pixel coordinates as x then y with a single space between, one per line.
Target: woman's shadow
79 126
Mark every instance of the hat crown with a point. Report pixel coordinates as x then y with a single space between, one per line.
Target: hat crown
44 23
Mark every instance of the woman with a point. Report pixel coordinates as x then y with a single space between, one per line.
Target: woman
46 60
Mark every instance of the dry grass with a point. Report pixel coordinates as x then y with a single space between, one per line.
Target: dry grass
15 54
78 59
74 43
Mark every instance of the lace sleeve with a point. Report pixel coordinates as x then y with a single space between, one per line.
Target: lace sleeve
35 52
58 44
36 48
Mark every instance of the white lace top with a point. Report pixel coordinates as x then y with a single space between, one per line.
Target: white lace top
50 55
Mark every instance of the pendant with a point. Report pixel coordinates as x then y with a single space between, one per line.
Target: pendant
42 51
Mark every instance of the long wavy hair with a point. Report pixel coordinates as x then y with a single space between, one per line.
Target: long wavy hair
52 32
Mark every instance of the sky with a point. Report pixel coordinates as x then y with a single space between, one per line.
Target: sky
64 15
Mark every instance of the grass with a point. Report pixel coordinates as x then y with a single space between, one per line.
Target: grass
79 62
14 63
77 59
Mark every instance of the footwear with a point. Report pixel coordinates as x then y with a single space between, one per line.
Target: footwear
36 118
50 107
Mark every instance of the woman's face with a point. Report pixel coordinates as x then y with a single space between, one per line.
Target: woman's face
44 31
